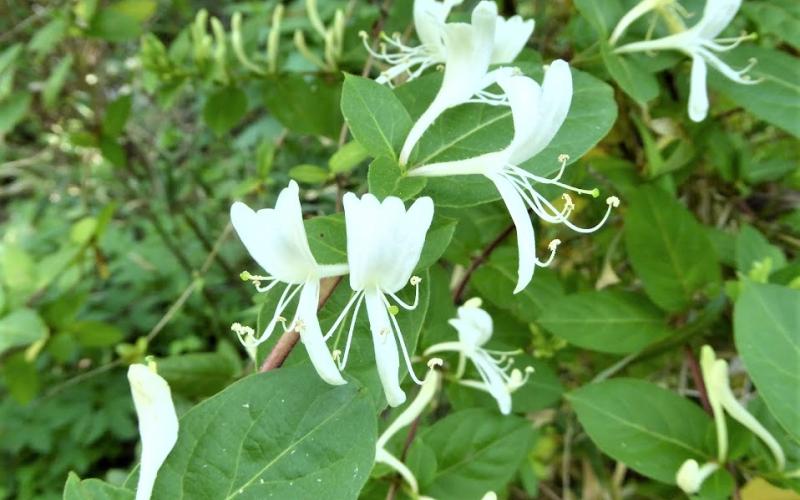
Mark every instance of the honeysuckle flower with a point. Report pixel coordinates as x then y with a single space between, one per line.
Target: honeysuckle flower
468 53
691 475
276 239
384 243
537 112
671 10
429 20
158 423
721 399
474 327
414 410
700 42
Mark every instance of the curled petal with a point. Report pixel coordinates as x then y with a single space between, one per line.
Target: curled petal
311 335
698 94
387 359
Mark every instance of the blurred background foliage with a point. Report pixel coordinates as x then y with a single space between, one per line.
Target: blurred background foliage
128 127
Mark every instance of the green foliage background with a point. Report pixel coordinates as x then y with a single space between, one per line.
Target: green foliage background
124 138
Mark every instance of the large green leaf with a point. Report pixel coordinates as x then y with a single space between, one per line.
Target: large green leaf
375 116
767 333
224 108
668 248
776 99
648 428
776 17
198 374
20 328
284 434
606 321
471 129
93 489
752 247
475 451
386 178
305 107
496 280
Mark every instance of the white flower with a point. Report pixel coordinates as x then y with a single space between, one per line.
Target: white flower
474 327
414 410
690 476
537 112
384 243
700 42
429 21
158 423
276 239
721 399
468 52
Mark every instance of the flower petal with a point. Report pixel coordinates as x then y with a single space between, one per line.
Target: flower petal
550 113
276 238
493 380
158 423
474 325
717 15
408 238
510 36
311 335
429 18
698 95
387 359
526 240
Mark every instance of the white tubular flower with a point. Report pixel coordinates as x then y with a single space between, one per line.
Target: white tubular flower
384 243
276 239
429 20
538 112
474 327
721 397
414 410
691 475
468 53
700 42
158 423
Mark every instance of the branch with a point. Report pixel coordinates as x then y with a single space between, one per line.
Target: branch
458 293
289 339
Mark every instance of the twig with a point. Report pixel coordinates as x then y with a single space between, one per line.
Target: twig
458 293
697 378
289 339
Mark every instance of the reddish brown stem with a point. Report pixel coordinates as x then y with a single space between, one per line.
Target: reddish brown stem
697 378
289 339
458 293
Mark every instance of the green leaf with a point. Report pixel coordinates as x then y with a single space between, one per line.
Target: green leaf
55 82
634 80
327 238
649 429
13 109
224 108
375 116
496 280
95 333
197 374
767 333
752 247
93 489
305 107
606 321
49 36
668 248
438 238
347 158
309 174
780 18
114 25
386 179
776 99
468 130
116 116
283 433
20 377
475 450
21 327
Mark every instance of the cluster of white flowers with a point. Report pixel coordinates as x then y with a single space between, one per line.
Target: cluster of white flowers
700 42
